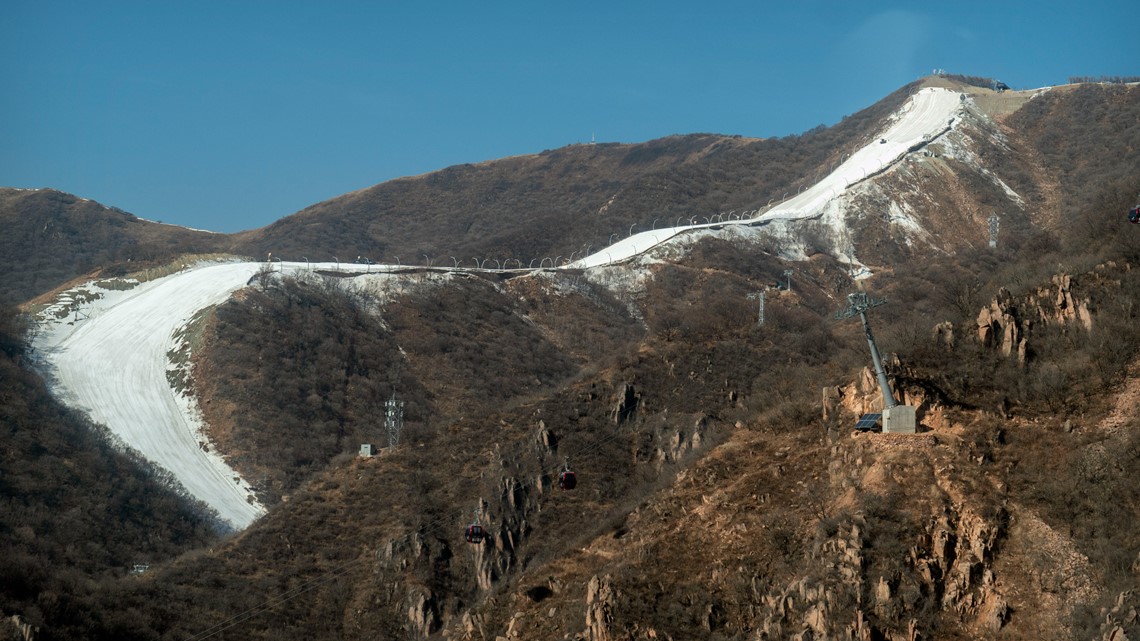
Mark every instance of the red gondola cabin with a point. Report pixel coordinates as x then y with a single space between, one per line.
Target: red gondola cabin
567 480
474 533
1134 215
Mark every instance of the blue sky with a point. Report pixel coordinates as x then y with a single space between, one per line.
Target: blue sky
230 115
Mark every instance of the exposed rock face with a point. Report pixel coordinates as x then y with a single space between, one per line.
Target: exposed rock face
864 395
407 555
423 618
1065 309
626 404
943 334
600 596
859 587
668 442
999 326
1007 324
16 628
1122 622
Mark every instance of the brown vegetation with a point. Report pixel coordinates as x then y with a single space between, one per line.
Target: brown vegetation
50 238
76 513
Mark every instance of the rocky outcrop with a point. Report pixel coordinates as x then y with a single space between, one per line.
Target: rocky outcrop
625 404
414 555
669 442
1001 327
600 599
1122 621
943 334
17 629
1057 305
863 396
887 554
1006 324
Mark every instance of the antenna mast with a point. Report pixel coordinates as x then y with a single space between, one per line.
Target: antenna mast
759 296
394 420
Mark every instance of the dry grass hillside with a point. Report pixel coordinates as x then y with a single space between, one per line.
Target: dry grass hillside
51 238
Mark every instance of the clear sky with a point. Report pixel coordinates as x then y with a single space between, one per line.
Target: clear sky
230 115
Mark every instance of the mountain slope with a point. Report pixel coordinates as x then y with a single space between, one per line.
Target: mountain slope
716 500
561 201
51 238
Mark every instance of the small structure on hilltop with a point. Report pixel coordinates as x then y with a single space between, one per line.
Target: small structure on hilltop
367 449
896 418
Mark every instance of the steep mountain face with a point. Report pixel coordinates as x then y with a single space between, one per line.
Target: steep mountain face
722 493
1021 169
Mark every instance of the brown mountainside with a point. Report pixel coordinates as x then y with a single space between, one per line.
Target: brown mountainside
561 201
51 238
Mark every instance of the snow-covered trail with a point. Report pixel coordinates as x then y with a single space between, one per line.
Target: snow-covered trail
925 116
113 366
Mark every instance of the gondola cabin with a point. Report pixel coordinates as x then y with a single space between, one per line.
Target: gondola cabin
1134 215
567 480
474 533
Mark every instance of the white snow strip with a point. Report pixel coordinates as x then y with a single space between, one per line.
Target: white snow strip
113 366
926 115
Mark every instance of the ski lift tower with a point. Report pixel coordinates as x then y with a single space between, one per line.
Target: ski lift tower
896 418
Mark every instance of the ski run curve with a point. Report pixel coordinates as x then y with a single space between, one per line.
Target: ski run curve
113 362
926 115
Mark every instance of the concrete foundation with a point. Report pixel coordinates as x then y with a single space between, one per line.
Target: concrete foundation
899 420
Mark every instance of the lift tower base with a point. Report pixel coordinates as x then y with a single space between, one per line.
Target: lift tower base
898 420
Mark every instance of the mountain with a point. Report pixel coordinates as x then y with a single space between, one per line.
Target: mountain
721 490
560 201
51 238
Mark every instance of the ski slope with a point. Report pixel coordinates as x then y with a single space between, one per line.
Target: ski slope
922 118
112 364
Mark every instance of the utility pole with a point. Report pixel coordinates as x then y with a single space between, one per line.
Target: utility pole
788 274
859 303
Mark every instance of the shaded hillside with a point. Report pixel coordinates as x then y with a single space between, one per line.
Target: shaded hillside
1088 137
51 237
449 349
562 201
74 512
